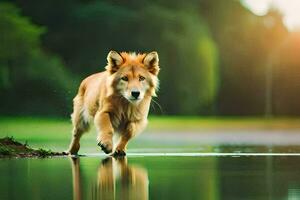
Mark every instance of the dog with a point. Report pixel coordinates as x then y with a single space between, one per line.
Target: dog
117 100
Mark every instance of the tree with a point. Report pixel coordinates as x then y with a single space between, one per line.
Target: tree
28 75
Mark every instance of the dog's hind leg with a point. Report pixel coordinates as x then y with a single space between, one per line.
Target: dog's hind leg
80 123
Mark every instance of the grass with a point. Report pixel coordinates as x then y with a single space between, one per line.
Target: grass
55 133
38 132
47 128
39 128
9 147
184 123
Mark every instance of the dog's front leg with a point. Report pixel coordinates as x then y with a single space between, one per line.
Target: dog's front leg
132 129
121 147
105 131
126 135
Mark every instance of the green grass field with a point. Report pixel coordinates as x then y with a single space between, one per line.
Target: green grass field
50 128
55 133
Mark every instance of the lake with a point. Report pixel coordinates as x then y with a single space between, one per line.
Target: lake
240 163
152 177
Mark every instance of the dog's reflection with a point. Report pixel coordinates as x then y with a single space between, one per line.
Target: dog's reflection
115 180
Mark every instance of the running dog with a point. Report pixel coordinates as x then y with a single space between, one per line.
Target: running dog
117 100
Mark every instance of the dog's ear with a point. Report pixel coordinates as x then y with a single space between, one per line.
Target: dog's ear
114 60
151 62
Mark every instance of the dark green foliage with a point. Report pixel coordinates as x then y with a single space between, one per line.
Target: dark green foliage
213 54
31 81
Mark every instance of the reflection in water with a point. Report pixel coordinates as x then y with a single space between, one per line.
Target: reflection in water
76 178
190 177
115 180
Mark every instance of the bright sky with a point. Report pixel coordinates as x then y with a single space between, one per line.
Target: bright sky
290 10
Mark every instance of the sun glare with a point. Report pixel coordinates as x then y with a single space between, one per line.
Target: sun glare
290 10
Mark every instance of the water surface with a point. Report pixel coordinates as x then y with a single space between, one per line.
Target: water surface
152 177
254 164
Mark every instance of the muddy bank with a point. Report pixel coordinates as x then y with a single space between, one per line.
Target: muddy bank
9 148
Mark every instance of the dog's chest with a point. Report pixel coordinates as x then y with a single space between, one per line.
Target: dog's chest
124 116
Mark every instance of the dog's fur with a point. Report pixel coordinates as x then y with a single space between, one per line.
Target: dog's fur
117 99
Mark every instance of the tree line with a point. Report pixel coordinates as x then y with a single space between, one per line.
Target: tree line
216 57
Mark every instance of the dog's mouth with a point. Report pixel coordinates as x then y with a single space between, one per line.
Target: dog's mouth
134 100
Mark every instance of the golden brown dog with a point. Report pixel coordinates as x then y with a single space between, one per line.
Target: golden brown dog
117 100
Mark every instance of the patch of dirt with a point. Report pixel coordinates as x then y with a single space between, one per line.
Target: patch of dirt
9 147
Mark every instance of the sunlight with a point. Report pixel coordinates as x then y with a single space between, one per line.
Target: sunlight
289 9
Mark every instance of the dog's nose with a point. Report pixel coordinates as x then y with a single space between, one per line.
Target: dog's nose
135 94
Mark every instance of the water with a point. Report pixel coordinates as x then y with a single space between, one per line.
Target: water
210 165
152 177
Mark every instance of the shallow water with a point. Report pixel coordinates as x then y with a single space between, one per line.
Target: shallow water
210 165
152 177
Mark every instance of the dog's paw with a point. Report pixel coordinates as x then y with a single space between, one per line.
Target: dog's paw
73 149
106 147
119 153
69 153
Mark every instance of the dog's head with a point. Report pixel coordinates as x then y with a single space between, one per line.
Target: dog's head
134 76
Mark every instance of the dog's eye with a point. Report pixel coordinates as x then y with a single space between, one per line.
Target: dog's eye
124 78
141 78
